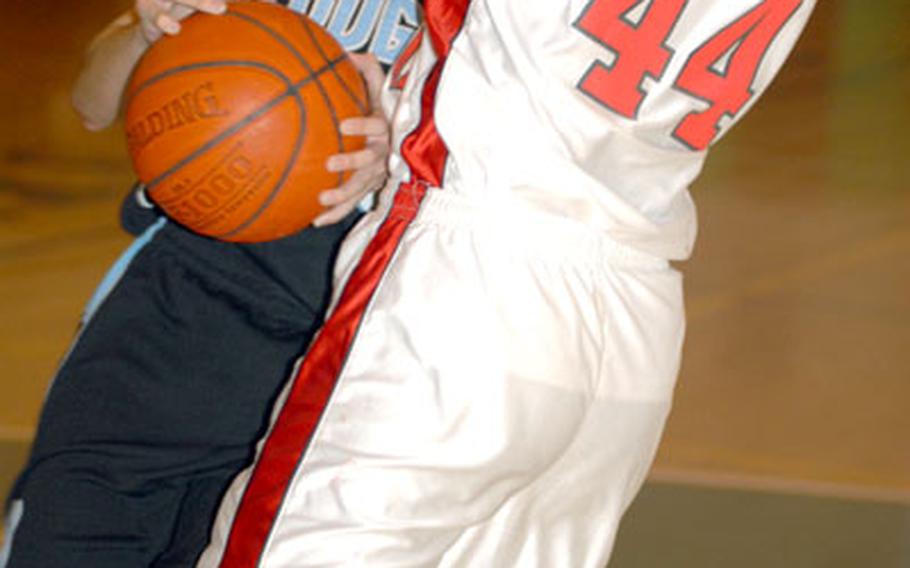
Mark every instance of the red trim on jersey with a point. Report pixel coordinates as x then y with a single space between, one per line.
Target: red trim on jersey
398 77
312 386
424 150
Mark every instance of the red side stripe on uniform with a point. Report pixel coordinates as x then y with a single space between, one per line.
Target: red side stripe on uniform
424 149
314 382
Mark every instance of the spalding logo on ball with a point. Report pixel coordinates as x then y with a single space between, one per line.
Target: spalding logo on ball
229 123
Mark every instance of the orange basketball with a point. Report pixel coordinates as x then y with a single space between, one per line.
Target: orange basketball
230 122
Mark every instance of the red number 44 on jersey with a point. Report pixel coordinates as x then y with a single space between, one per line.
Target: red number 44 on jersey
637 32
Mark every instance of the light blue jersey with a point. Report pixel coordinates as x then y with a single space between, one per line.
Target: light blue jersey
380 27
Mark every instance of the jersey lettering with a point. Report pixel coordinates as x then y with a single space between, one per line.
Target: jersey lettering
635 31
396 27
381 27
722 71
354 22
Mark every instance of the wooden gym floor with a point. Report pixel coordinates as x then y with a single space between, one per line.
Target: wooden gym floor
789 444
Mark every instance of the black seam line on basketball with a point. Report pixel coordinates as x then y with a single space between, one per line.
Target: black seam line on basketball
325 96
314 75
231 154
206 220
276 189
231 129
210 64
289 88
302 60
293 89
362 106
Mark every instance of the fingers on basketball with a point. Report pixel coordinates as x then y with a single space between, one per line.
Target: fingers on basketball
230 123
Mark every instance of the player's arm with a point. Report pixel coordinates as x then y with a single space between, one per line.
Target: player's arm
109 60
369 165
113 54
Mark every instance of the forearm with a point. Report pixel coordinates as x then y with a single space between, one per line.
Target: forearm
109 61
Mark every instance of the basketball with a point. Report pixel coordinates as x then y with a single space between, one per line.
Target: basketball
230 122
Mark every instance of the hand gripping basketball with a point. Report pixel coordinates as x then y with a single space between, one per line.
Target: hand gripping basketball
369 165
231 122
158 17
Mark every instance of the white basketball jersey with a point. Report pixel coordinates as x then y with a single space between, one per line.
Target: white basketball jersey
490 391
595 110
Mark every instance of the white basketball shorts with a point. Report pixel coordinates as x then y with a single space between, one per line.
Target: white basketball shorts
494 398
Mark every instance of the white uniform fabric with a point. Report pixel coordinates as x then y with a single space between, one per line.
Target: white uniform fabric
517 126
492 382
500 406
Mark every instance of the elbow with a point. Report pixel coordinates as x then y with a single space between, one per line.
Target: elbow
91 118
93 126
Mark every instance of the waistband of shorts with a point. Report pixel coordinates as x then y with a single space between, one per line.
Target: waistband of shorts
540 233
